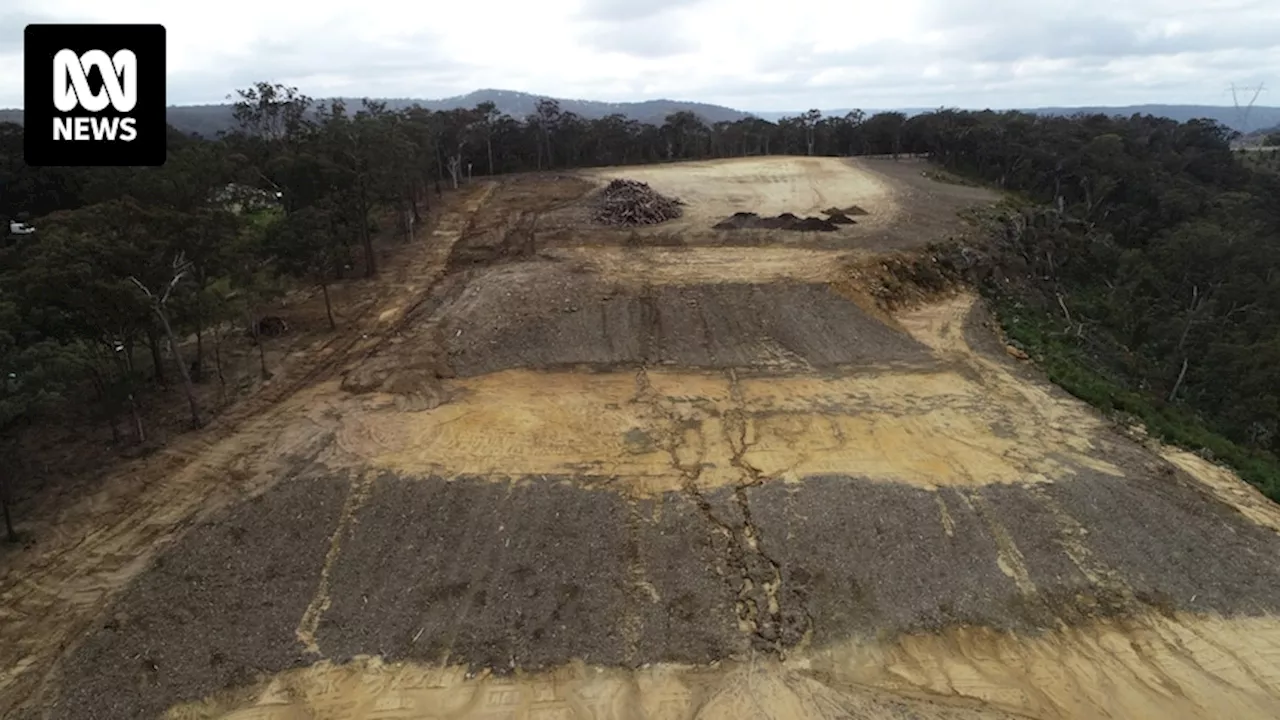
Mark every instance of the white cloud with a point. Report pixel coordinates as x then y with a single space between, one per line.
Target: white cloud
749 54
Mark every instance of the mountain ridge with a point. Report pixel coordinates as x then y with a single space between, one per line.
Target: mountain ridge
212 118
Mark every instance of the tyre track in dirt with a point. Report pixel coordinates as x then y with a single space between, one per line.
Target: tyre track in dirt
49 595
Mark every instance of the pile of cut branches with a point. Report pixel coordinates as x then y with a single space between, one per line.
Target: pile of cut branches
630 202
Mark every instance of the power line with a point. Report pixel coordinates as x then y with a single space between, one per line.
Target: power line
1242 113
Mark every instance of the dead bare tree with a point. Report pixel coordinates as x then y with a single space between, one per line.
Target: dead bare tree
809 121
181 266
1199 302
455 167
123 357
1173 394
217 364
406 225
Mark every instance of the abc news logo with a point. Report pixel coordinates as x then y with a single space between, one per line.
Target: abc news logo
71 90
95 95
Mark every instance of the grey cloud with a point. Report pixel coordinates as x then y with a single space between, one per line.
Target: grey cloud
639 29
798 58
961 84
972 58
328 53
360 69
952 13
1010 30
622 10
1088 42
1105 39
647 38
12 25
1096 38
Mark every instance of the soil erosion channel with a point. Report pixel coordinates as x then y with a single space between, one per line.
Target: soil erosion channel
680 472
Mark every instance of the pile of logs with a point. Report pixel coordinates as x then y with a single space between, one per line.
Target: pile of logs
630 202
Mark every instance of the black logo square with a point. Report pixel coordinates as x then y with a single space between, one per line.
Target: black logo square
94 95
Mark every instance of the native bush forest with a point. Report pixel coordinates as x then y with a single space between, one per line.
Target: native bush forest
1138 258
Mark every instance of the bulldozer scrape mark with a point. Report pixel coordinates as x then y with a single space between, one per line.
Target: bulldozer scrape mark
356 498
1150 666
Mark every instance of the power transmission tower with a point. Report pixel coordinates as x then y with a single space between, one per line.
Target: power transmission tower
1242 113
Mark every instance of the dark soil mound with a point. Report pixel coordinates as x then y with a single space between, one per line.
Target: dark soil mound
851 210
785 221
630 202
811 224
839 218
738 221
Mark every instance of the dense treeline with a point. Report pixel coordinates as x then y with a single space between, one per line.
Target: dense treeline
1152 251
1148 268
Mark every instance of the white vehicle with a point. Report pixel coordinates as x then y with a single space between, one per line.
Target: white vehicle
17 228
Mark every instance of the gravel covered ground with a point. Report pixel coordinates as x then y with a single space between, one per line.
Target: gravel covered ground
541 315
540 573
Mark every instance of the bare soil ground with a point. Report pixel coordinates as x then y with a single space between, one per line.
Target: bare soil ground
904 209
572 472
802 186
538 315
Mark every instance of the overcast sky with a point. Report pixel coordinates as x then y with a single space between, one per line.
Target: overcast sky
748 54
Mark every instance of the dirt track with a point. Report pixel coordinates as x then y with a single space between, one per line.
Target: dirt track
590 477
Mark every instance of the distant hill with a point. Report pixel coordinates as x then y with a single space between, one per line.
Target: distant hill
776 115
1258 138
520 104
208 120
1259 117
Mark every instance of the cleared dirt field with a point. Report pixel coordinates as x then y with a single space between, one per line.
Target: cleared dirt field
903 208
570 472
767 186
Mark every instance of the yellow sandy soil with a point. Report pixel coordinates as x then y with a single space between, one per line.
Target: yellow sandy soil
940 324
654 432
1227 486
367 688
1151 667
657 431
